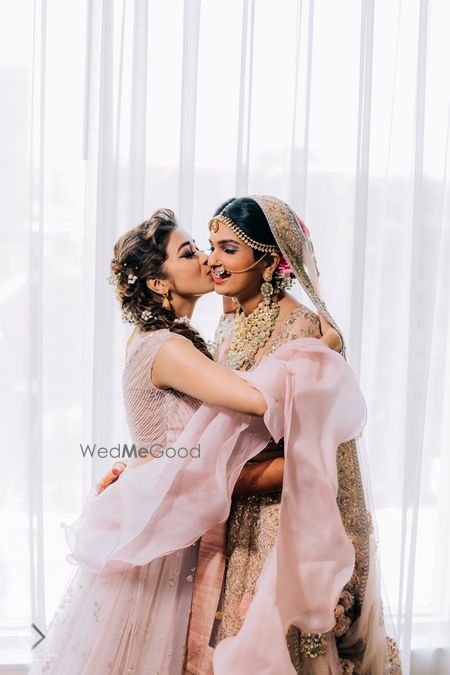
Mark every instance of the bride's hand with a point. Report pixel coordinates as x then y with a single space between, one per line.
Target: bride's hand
330 336
111 476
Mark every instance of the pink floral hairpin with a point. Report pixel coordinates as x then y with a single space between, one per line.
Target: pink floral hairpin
284 276
283 267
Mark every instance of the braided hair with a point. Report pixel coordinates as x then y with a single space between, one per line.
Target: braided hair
139 254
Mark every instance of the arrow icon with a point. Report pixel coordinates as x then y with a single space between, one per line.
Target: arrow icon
40 633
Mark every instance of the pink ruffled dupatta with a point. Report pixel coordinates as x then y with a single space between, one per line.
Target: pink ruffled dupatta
315 403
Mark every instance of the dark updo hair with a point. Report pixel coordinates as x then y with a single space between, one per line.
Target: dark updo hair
249 217
141 252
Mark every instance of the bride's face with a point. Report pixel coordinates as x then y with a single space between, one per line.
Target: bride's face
229 251
186 266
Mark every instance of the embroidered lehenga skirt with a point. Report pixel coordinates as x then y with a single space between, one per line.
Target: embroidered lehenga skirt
239 548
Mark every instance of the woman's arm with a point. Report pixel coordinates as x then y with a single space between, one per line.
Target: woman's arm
260 478
179 365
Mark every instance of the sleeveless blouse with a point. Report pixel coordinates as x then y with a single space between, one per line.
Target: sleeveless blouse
154 416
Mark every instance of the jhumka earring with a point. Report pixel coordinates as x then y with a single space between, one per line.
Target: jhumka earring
266 287
166 302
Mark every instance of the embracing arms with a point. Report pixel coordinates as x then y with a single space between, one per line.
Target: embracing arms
261 477
180 366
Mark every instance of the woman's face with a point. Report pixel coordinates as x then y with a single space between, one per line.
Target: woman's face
186 266
229 251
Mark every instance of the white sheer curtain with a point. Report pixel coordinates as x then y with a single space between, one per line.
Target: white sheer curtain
111 109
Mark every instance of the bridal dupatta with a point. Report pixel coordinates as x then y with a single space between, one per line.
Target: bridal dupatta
315 403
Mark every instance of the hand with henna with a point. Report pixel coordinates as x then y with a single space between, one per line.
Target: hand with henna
111 476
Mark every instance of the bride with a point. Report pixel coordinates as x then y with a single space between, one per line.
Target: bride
245 233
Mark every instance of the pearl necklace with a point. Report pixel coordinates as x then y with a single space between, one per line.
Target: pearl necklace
250 333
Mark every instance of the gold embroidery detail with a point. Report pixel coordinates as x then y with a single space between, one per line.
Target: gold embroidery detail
355 517
285 333
313 645
393 663
290 240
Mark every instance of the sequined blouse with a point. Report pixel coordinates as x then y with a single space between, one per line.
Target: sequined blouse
300 322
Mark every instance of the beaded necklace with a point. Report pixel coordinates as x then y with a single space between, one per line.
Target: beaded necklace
250 333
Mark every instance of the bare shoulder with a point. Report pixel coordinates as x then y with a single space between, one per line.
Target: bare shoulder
172 355
175 352
176 345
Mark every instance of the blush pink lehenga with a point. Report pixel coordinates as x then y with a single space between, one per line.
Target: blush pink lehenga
110 623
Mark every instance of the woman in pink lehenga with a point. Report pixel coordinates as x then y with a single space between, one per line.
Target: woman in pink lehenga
134 619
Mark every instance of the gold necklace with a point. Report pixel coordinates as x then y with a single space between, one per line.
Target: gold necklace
250 333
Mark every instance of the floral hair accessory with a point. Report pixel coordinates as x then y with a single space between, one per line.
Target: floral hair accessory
183 319
146 315
283 275
283 267
127 317
132 278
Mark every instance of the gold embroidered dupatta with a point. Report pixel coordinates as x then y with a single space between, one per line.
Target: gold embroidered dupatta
359 621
